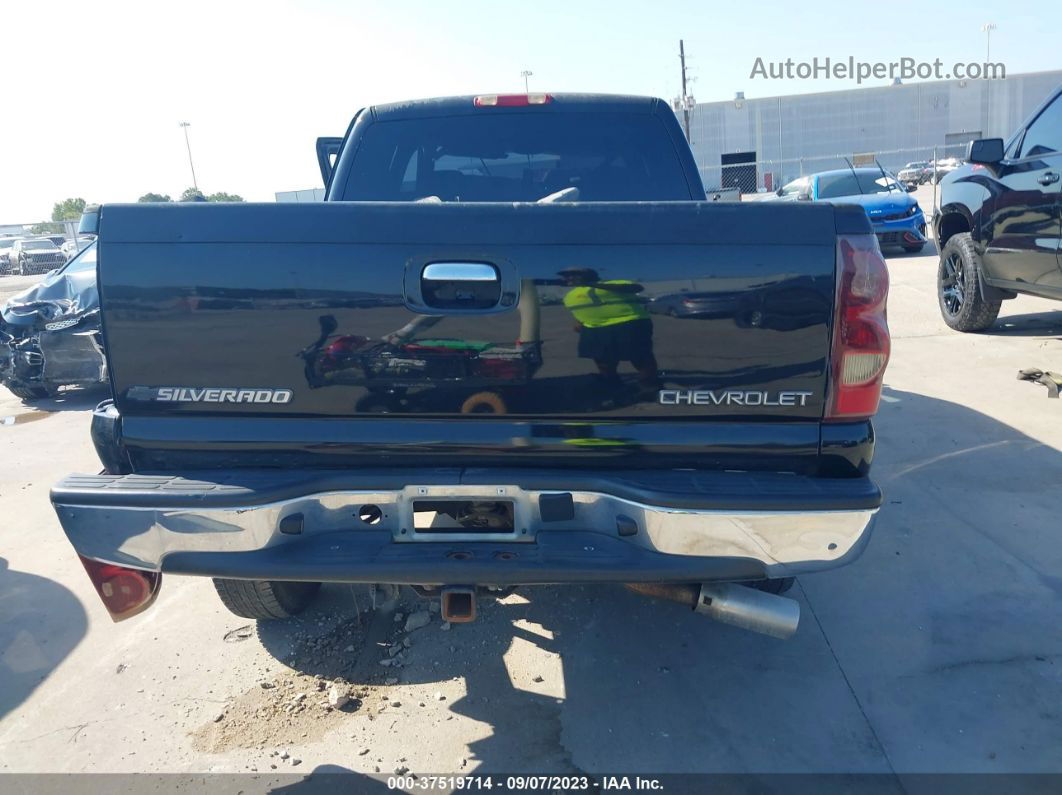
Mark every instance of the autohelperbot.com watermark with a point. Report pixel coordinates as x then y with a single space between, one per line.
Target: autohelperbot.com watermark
851 69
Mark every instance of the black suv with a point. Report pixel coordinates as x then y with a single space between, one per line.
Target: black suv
1000 222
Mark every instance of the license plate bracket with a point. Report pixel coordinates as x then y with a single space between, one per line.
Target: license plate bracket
444 516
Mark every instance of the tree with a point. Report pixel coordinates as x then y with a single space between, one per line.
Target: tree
68 210
155 197
194 195
221 196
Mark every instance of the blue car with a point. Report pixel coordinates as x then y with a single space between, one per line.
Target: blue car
895 215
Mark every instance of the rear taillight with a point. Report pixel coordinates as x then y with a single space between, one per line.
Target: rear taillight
511 100
860 347
124 592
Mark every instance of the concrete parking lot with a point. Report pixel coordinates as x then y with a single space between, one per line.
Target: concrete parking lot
939 650
10 285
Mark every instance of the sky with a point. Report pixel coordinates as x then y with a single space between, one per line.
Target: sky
93 92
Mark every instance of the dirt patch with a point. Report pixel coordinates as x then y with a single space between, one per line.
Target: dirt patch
291 706
287 709
302 704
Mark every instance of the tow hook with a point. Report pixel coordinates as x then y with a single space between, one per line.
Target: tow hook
458 604
730 603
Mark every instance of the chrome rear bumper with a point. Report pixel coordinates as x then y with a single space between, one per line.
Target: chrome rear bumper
165 523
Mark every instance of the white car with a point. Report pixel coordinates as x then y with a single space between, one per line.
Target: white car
943 167
72 247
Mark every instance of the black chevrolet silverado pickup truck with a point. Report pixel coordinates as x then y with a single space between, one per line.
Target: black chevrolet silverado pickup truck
447 375
999 226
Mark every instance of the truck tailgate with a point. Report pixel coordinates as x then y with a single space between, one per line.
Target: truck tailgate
706 325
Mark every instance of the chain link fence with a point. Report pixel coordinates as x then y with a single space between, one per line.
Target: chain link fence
767 176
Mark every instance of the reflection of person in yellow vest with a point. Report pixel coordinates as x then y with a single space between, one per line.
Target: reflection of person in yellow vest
613 324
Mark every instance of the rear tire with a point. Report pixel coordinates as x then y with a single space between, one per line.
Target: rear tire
959 289
266 600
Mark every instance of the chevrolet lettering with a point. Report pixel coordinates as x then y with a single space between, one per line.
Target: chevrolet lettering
731 397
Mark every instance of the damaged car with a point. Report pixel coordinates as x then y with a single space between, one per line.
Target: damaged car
50 333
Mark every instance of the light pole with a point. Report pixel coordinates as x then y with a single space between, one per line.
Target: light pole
685 102
987 29
185 125
526 74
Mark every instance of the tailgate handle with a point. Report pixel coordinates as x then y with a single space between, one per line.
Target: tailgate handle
460 272
461 285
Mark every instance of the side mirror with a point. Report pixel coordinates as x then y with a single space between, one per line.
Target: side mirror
778 192
986 151
90 220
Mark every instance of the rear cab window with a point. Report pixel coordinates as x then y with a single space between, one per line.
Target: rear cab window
518 157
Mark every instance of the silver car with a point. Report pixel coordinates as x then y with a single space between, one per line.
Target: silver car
34 255
914 173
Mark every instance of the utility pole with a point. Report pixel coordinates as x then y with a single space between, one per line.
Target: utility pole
685 104
185 125
987 29
526 74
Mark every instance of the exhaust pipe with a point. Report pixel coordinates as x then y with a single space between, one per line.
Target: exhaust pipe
748 608
730 603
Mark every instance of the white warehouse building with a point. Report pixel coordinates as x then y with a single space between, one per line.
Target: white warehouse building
760 144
